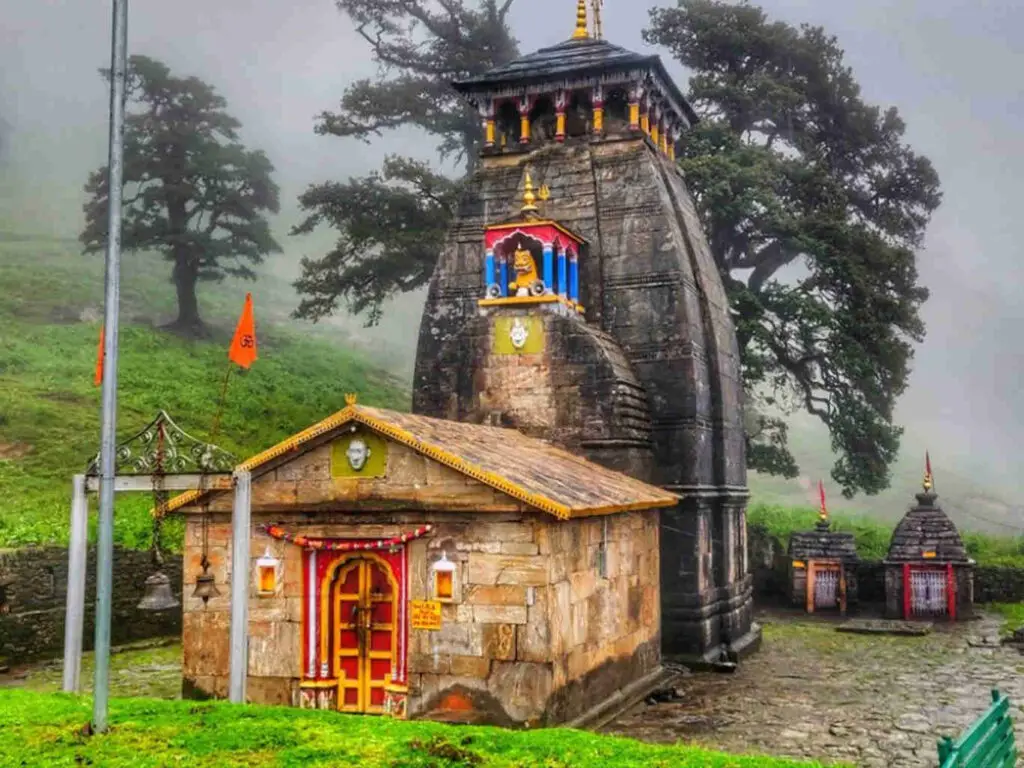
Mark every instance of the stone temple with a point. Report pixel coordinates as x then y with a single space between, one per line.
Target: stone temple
602 276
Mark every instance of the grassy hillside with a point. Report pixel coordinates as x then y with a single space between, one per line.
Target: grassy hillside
874 535
40 729
51 300
969 500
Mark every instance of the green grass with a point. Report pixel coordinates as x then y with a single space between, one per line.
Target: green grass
46 730
49 408
1012 613
873 536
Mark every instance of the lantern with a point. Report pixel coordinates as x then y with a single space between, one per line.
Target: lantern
444 578
266 574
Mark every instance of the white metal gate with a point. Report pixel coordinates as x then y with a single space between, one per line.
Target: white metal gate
826 588
928 593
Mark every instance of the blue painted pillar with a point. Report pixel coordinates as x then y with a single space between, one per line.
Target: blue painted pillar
563 283
488 267
574 278
503 277
549 269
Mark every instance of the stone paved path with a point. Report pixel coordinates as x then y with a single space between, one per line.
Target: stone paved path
869 700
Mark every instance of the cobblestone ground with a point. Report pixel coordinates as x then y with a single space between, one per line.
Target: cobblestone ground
150 668
869 700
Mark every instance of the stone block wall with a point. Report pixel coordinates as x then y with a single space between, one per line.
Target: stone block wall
603 608
33 593
275 621
541 626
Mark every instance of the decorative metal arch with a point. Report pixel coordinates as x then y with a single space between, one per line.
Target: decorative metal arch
164 448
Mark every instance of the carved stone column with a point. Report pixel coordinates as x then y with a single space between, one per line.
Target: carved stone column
524 120
561 102
597 98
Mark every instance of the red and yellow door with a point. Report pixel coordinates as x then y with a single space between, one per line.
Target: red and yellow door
363 605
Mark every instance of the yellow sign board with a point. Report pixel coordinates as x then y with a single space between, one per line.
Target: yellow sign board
798 564
425 614
928 554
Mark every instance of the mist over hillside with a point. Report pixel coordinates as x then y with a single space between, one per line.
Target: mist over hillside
953 71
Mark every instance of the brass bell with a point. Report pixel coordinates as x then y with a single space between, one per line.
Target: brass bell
158 596
205 587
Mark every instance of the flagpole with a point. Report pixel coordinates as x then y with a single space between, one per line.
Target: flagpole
105 547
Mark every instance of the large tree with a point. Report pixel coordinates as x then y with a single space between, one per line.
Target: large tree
814 207
813 204
392 222
192 191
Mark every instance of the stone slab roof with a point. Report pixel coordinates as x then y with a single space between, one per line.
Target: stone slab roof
572 58
533 471
823 545
926 528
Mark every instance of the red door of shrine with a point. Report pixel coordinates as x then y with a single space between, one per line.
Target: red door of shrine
365 600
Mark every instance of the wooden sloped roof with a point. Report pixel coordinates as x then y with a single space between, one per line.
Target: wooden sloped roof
525 468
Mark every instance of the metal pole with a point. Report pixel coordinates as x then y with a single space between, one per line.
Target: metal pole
74 616
105 547
240 524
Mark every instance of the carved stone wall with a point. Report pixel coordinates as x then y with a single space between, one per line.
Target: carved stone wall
33 593
572 386
650 283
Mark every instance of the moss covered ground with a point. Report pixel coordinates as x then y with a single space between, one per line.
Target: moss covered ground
48 730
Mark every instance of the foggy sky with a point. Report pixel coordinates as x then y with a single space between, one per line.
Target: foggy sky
952 68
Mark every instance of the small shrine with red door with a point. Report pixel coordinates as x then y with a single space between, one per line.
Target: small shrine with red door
414 566
928 573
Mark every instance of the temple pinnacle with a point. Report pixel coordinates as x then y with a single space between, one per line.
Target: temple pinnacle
529 198
581 32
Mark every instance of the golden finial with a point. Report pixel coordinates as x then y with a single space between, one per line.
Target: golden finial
581 32
350 398
529 198
928 484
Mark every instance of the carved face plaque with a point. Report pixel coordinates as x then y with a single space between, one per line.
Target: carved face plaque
518 333
358 452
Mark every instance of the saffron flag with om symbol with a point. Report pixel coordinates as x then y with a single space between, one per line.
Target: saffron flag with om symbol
243 345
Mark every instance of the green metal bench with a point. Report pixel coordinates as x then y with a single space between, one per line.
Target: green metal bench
986 744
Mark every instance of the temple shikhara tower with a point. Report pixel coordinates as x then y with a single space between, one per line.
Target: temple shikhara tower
577 301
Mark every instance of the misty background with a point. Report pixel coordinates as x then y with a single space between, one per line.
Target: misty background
953 69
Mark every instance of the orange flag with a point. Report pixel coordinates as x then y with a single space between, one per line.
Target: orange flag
821 493
97 378
243 345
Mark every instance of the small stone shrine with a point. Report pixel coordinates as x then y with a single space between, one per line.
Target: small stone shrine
823 566
427 568
927 571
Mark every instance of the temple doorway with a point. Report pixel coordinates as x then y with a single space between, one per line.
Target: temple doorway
364 606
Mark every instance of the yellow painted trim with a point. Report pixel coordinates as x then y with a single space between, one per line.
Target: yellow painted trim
355 413
547 298
538 223
332 683
612 509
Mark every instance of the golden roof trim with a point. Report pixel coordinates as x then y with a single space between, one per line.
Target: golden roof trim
358 414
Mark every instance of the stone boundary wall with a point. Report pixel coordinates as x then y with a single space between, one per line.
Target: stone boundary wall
33 591
769 564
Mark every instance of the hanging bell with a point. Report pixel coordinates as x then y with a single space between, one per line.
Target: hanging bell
158 595
206 587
